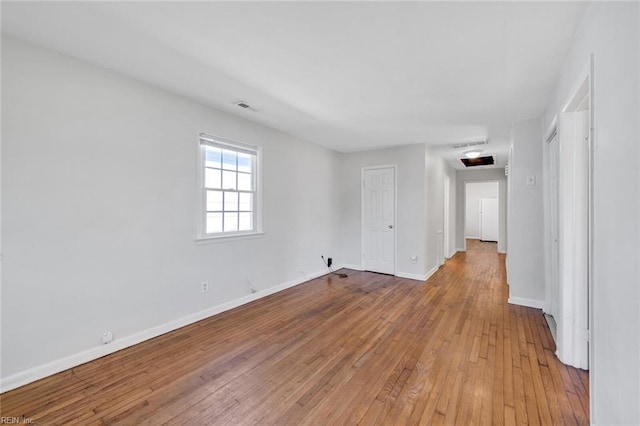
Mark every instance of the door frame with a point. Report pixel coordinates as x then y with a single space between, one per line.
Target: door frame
551 135
446 225
395 212
501 216
573 329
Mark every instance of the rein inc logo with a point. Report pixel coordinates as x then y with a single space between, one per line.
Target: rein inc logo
7 420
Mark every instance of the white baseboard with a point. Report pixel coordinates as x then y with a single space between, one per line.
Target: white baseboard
36 373
417 277
354 267
530 303
452 253
411 276
431 272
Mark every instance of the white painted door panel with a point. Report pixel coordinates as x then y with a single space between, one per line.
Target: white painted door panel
379 220
554 252
489 219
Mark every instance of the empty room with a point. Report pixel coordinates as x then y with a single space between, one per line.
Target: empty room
341 212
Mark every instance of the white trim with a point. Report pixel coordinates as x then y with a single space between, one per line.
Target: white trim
395 211
523 301
353 267
431 272
412 276
217 239
41 371
417 277
452 253
256 151
552 129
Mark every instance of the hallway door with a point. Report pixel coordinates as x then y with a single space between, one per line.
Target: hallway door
378 220
553 237
489 219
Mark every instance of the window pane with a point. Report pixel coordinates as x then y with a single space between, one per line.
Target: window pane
246 202
244 162
230 222
212 178
229 160
213 157
214 201
228 180
244 182
230 201
214 223
246 222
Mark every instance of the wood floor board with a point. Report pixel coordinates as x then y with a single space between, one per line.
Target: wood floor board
368 349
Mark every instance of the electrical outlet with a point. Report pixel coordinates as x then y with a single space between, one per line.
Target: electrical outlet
204 286
414 259
107 337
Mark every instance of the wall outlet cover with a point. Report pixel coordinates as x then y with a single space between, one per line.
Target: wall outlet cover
107 337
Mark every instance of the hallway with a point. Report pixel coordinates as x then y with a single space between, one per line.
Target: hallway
367 349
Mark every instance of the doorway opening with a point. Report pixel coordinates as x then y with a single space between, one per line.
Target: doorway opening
482 211
569 299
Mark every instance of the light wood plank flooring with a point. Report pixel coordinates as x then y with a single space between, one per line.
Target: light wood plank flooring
368 349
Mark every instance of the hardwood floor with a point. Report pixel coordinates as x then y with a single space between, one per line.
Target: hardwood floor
367 349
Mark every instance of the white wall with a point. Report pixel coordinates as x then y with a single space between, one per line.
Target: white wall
410 217
476 191
484 175
610 30
525 261
99 211
420 208
435 171
453 210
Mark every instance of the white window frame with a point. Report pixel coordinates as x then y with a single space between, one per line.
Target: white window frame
217 141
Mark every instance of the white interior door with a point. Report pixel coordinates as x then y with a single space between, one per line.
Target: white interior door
554 253
489 219
378 218
445 225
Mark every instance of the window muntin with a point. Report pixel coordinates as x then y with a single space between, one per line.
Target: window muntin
229 187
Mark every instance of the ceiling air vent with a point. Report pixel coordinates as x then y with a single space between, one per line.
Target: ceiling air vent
480 161
469 144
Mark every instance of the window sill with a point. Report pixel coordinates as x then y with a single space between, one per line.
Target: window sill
223 238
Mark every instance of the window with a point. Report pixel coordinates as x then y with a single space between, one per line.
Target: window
229 183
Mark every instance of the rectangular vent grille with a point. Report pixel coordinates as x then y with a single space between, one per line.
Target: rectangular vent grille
468 144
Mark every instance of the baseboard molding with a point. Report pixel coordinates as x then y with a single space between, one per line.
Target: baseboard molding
354 267
411 276
452 253
417 277
523 301
431 272
40 372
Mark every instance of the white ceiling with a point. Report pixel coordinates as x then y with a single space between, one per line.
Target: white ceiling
346 75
